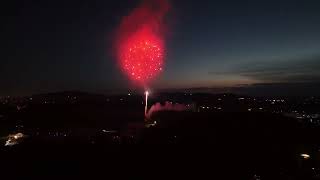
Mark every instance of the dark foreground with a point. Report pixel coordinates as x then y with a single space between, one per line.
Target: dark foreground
181 145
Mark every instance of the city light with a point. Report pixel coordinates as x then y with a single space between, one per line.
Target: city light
13 139
305 156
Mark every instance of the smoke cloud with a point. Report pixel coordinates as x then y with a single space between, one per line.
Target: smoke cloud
149 16
168 106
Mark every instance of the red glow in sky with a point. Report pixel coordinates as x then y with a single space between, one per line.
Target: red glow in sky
140 42
142 56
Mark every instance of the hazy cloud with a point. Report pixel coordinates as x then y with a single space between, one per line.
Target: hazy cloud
288 71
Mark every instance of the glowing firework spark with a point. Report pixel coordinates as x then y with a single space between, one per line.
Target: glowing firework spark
146 103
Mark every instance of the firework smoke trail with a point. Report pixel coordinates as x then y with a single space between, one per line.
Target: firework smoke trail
168 106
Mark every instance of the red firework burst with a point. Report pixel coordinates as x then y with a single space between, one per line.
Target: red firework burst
140 41
141 56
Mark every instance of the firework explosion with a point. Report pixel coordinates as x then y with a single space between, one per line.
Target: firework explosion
140 42
142 56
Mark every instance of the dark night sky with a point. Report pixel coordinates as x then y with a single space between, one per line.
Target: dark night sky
67 45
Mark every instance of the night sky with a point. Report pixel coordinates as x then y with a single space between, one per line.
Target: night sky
50 46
